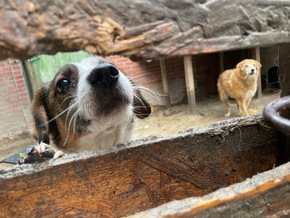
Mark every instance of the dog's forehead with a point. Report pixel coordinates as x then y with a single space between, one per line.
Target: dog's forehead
250 62
90 63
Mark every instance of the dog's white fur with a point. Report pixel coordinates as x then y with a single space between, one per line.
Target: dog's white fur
106 131
97 128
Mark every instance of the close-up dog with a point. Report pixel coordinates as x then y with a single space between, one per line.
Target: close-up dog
240 84
87 106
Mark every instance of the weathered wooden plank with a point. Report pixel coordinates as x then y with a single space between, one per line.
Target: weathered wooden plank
284 66
140 29
189 79
257 56
265 195
165 86
141 176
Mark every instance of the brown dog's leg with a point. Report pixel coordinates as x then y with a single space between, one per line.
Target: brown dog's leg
242 107
248 101
225 99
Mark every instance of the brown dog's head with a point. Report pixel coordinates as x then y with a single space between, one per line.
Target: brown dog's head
89 98
250 67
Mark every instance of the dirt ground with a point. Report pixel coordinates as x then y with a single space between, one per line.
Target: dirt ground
163 122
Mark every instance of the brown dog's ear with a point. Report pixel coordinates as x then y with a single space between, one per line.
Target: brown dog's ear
240 65
40 124
142 108
258 64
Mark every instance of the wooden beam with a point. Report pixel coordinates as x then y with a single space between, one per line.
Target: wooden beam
257 56
189 79
25 30
165 86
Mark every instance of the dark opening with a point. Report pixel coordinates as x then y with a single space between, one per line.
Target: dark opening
273 77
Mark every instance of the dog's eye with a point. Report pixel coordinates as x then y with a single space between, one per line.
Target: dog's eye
63 85
246 65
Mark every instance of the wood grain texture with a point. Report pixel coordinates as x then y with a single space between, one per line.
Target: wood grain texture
140 29
264 195
138 178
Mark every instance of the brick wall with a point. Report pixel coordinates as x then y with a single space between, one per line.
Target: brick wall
14 100
148 74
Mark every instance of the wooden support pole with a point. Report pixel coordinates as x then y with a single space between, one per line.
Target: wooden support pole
189 79
257 56
221 62
284 66
166 97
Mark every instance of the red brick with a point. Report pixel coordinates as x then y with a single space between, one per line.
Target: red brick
5 69
21 86
23 94
17 73
22 90
19 77
4 64
16 68
5 73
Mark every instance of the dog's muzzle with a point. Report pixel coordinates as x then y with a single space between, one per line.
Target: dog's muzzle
252 71
104 75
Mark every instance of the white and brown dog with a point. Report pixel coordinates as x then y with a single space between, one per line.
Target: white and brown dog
87 106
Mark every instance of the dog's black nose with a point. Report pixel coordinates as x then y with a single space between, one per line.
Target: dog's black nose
104 75
252 71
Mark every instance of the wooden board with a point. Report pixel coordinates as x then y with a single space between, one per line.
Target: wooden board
140 29
265 195
142 176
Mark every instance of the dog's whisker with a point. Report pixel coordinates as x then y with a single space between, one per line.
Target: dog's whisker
75 119
67 116
59 114
87 110
69 97
148 91
134 78
136 96
152 94
69 126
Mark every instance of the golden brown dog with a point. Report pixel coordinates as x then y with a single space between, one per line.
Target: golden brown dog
87 106
239 83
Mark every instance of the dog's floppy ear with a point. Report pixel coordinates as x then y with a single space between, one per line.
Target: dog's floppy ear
258 64
40 124
240 65
142 108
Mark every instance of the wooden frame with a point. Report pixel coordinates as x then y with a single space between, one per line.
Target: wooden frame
142 176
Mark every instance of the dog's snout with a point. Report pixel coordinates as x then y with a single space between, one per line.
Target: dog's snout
104 75
252 71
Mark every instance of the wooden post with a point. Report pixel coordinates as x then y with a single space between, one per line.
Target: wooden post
189 79
256 55
284 65
221 62
165 83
